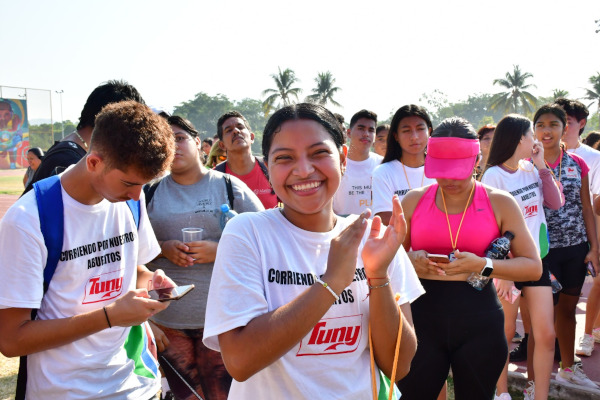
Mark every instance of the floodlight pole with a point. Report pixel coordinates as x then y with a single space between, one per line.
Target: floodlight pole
62 127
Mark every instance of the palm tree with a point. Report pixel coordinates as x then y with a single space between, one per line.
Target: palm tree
594 93
324 91
558 93
515 98
284 81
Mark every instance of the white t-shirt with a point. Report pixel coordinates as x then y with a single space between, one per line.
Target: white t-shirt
101 250
389 179
525 186
264 262
591 157
354 194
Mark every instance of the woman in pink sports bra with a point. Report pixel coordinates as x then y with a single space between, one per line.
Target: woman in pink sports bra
458 326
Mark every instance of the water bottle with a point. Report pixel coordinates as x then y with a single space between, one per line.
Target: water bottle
497 250
554 283
226 215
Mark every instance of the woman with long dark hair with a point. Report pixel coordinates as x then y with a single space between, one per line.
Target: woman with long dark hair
532 185
403 167
296 289
572 232
459 326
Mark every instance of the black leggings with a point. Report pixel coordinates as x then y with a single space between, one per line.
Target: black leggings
460 327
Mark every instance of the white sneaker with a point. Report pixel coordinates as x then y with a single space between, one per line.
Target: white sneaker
576 376
596 335
586 345
503 396
529 391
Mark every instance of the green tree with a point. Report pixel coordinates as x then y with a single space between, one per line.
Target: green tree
435 101
516 98
558 93
41 136
594 93
252 110
204 112
593 124
324 92
284 80
476 109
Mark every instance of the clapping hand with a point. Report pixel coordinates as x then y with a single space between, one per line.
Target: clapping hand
378 252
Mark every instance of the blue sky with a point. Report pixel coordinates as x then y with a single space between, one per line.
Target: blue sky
383 54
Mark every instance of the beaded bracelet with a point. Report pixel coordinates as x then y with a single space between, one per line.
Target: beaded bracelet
326 286
106 315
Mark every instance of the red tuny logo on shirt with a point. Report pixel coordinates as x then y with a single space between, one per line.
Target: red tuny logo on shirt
530 211
571 172
103 287
332 336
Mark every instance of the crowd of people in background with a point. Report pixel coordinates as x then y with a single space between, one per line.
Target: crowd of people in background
361 264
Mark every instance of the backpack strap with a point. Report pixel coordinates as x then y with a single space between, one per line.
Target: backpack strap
263 168
134 206
149 190
221 167
48 195
229 190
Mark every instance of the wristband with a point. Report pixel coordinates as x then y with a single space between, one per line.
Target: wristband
379 286
106 315
326 286
369 280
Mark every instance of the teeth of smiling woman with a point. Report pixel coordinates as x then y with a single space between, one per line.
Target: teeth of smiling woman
306 186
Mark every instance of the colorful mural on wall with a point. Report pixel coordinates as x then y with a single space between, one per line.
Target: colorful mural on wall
14 133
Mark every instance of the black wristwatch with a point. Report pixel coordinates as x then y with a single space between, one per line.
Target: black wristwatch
488 268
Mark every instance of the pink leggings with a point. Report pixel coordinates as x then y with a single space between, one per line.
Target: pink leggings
201 367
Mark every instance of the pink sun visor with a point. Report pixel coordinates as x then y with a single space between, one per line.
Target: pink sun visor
451 157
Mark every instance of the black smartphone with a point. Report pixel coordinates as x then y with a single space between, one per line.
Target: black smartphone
171 293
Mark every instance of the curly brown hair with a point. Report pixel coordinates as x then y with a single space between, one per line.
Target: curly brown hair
129 135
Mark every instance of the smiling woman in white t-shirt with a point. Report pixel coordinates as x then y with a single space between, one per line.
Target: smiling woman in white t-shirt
294 290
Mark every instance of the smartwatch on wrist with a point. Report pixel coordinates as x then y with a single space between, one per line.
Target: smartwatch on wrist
488 268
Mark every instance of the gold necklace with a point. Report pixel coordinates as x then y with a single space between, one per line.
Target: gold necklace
80 138
519 166
559 168
527 170
454 241
406 176
511 168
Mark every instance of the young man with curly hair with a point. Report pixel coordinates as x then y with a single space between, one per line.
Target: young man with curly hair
90 338
74 146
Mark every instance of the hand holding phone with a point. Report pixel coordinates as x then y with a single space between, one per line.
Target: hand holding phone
439 258
170 293
591 270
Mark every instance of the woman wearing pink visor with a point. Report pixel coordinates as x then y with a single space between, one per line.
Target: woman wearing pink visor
457 325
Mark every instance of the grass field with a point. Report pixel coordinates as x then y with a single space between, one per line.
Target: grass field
11 184
8 377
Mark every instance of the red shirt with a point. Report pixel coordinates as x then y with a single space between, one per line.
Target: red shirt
258 183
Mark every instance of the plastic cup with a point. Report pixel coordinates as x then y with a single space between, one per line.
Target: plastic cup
192 234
